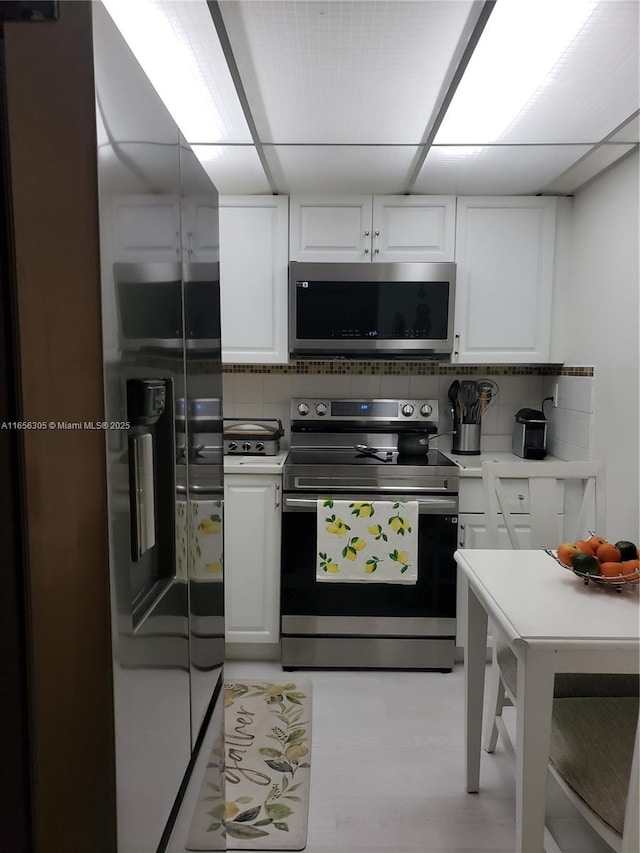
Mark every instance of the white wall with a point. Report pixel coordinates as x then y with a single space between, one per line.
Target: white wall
602 330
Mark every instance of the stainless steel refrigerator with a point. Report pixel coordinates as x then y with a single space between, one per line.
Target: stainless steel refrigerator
163 401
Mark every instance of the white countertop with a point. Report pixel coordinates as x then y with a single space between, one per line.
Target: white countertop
255 464
470 466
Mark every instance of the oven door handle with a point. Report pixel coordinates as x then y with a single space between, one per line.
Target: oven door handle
437 505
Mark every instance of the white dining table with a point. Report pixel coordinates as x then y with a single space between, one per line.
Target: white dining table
554 623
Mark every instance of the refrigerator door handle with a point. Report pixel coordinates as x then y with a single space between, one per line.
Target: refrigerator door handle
142 491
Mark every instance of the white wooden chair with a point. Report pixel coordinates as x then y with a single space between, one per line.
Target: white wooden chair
560 502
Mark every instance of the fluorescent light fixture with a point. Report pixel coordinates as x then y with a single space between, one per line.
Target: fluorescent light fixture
178 48
515 58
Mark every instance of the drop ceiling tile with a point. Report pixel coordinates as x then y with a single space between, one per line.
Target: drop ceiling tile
629 132
358 71
340 168
234 169
494 170
581 95
178 48
588 167
594 88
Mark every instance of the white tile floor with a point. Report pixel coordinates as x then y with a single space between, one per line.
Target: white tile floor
388 769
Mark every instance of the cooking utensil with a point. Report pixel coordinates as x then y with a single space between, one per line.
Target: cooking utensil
469 395
374 452
417 443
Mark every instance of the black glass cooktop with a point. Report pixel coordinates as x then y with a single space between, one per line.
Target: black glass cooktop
350 456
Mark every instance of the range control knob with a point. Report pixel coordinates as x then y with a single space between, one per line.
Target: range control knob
260 446
321 409
426 410
407 410
303 409
246 446
232 446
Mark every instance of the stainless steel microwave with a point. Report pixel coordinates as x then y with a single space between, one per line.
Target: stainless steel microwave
168 306
386 309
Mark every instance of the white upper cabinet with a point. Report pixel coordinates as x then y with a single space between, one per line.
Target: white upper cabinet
332 228
413 228
146 228
505 268
200 230
378 228
254 278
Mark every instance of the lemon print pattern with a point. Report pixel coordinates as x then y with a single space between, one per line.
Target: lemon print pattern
327 564
361 530
402 558
336 526
362 509
205 537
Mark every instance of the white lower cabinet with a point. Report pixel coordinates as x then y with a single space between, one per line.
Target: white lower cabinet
472 533
252 557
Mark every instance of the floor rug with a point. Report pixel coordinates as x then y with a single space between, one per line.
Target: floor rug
265 804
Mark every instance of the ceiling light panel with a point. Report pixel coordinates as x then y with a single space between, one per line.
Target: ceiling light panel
178 48
494 170
548 72
340 168
233 169
364 71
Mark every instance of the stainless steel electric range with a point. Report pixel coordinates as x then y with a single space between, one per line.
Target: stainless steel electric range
348 449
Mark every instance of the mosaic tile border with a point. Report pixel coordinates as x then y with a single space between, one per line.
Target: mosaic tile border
405 368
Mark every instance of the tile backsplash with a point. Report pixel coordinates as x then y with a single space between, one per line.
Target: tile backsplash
268 395
570 426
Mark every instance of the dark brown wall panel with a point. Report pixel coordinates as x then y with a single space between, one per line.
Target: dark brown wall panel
54 183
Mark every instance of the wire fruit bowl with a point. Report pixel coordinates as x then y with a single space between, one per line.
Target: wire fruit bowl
632 579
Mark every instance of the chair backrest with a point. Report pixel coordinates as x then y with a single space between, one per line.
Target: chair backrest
564 502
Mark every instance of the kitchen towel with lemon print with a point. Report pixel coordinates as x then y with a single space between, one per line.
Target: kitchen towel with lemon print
367 541
199 533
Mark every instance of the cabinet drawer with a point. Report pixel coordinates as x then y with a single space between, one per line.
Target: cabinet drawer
472 498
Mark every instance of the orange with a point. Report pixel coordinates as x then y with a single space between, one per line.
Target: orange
608 553
631 567
566 553
595 542
611 570
584 547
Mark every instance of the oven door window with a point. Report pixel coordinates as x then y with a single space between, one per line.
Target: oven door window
434 594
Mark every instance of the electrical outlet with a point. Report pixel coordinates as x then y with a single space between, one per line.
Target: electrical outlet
555 396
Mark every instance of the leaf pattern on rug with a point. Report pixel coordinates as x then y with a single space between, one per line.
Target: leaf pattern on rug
271 794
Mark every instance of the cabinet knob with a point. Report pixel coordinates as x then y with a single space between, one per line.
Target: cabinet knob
366 251
520 497
366 233
376 233
377 252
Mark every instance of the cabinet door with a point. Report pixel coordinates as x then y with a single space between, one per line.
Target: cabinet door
252 558
253 279
505 258
332 228
147 228
202 243
413 228
472 533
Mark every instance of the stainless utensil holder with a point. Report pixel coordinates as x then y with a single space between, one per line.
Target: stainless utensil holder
466 440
